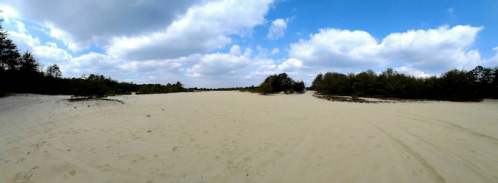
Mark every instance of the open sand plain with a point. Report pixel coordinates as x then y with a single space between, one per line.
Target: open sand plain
242 137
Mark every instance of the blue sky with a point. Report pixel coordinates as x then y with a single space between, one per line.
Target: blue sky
227 43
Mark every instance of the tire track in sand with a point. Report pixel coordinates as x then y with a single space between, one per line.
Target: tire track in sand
447 124
433 174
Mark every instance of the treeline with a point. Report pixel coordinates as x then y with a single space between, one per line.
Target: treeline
277 83
158 88
454 85
21 73
215 89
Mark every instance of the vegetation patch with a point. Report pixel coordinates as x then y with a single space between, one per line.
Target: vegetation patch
454 85
344 99
94 99
277 83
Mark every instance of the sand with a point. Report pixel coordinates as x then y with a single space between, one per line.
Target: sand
242 137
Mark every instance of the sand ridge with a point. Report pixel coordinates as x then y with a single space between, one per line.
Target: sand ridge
241 137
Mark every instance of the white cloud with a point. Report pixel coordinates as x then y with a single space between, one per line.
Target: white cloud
235 50
8 13
248 52
412 72
274 51
290 63
80 28
46 54
66 38
153 66
21 27
450 10
263 52
278 28
219 65
202 29
23 41
494 60
50 51
434 50
92 63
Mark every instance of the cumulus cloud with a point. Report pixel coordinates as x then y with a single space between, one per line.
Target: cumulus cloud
80 28
433 50
8 13
218 64
202 29
235 50
278 28
248 52
94 63
412 72
51 52
494 60
290 64
263 52
274 51
47 53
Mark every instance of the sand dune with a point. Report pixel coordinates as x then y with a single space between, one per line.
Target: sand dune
243 137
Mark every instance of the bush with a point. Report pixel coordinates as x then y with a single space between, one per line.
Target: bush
354 97
265 88
111 93
298 86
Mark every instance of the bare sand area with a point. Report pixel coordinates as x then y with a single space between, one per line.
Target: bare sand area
242 137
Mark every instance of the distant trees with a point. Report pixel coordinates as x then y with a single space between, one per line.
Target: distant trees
9 54
168 88
277 83
486 80
54 71
265 88
454 85
298 86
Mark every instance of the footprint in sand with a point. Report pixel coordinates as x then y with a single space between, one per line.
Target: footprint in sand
46 154
25 176
21 160
105 168
68 175
174 148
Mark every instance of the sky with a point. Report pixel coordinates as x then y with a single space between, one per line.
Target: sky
234 43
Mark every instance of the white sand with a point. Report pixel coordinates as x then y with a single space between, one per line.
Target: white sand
243 137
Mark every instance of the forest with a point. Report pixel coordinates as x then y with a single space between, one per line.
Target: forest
454 85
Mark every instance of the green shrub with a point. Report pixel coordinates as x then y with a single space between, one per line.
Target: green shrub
111 93
265 88
354 97
298 86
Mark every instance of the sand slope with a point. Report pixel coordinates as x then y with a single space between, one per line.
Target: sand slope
242 137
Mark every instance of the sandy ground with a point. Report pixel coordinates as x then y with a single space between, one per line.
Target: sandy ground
243 137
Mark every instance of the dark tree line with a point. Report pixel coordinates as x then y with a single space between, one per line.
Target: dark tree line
21 73
277 83
454 85
158 88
